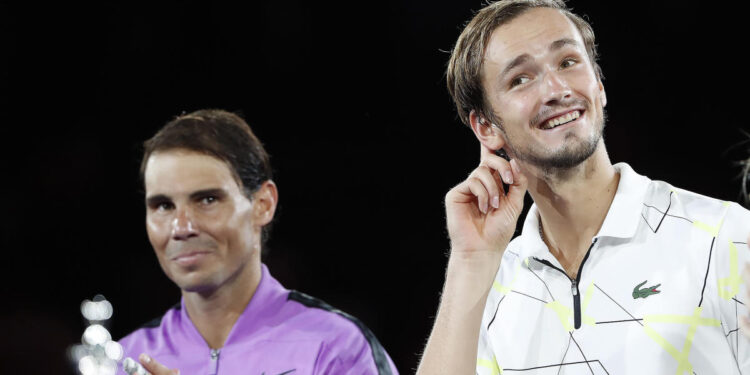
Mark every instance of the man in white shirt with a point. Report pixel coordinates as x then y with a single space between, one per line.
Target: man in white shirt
613 273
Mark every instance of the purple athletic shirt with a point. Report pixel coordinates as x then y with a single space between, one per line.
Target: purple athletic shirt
280 332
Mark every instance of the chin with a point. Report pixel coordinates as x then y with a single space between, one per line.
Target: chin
569 156
195 282
198 287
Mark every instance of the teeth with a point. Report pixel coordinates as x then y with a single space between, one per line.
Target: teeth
570 116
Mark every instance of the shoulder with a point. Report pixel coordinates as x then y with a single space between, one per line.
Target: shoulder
149 336
316 317
701 210
664 192
346 340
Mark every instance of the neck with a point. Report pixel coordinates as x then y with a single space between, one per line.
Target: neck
572 205
215 312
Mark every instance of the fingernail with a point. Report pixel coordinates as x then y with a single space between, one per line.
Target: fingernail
144 358
483 207
508 177
496 202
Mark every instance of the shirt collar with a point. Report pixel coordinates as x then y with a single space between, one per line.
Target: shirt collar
269 296
625 212
621 220
531 242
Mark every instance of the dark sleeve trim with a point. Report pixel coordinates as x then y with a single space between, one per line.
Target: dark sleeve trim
153 323
378 352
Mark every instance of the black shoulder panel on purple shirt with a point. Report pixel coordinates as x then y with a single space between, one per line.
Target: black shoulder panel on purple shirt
378 352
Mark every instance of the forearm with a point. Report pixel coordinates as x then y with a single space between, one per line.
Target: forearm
452 346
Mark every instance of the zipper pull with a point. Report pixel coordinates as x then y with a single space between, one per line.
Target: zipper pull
214 365
574 288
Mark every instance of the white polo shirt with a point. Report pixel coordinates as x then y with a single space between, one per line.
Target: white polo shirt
659 292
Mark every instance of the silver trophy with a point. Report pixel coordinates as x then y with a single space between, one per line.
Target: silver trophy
133 368
98 354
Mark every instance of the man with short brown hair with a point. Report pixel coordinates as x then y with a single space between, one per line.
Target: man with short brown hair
209 198
613 273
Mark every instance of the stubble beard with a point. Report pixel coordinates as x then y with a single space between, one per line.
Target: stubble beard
558 162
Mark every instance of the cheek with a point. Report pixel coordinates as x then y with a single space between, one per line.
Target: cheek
527 105
243 225
226 227
587 82
241 230
158 231
520 109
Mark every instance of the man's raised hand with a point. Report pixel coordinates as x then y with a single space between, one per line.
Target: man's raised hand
481 220
481 217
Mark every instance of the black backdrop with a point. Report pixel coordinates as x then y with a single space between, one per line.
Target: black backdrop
349 99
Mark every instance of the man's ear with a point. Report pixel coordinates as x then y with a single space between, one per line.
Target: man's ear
265 200
604 93
487 133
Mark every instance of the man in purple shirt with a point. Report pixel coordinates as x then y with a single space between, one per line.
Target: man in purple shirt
209 197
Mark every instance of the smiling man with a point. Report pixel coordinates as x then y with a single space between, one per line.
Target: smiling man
613 273
209 199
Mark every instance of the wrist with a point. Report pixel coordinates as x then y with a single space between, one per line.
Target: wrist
468 281
477 268
475 260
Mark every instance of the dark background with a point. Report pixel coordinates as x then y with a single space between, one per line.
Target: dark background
350 101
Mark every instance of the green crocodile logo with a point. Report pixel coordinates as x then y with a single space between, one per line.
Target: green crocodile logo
639 292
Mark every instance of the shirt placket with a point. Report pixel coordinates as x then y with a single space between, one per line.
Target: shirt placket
213 367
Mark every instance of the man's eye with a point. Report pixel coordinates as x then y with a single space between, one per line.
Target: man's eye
207 200
164 206
519 81
567 63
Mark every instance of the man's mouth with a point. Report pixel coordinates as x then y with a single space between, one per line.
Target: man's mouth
190 257
560 120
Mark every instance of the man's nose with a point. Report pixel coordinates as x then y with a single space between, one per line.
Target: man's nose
555 88
183 225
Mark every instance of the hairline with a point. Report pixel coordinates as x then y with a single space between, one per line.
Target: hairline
235 174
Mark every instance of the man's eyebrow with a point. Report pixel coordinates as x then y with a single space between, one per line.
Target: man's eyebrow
560 43
554 46
202 193
520 59
156 199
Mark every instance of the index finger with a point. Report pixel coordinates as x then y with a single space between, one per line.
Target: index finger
154 367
